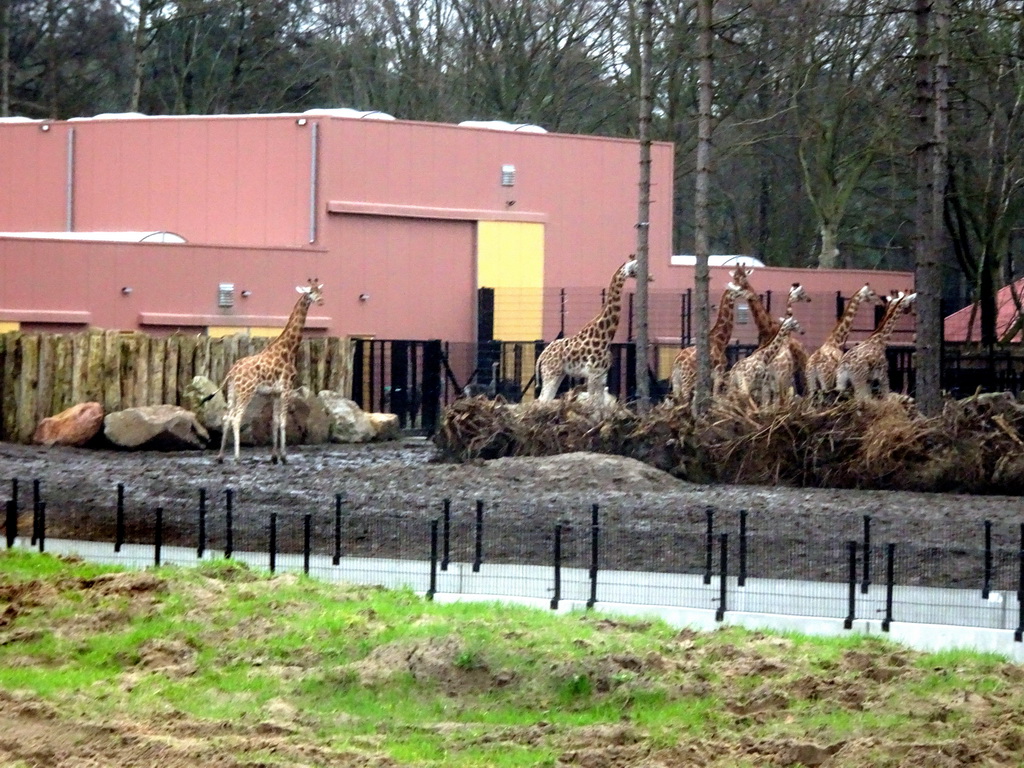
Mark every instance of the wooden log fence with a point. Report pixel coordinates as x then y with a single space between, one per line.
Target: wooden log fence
44 374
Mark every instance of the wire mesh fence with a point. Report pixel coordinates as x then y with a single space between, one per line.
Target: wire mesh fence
720 560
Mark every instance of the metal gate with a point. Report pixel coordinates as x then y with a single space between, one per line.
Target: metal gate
402 377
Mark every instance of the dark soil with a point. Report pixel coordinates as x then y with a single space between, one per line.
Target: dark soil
389 492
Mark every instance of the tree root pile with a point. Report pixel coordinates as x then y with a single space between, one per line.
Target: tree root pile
975 445
478 428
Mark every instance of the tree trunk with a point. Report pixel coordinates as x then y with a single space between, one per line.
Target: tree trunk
643 390
5 58
702 224
139 51
828 257
928 278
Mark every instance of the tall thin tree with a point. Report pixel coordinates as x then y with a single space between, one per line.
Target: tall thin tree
702 222
643 390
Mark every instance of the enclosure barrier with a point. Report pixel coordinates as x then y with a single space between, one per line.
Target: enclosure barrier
42 374
577 557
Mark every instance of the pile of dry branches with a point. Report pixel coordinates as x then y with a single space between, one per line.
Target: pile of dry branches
975 445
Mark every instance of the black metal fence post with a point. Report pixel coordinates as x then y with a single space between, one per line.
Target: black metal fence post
986 585
119 519
35 510
890 569
709 543
432 590
1018 634
158 536
14 493
558 567
478 555
273 542
336 559
11 523
851 613
595 540
723 542
229 533
42 526
742 579
866 582
201 545
307 539
446 534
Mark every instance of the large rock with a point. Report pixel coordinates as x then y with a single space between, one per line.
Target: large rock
76 426
308 420
351 424
206 401
156 428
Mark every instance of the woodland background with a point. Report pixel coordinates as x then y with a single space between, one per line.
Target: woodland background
814 144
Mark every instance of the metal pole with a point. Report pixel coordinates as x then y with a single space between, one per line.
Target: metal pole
479 554
273 542
851 550
890 568
433 560
709 543
595 538
723 541
558 567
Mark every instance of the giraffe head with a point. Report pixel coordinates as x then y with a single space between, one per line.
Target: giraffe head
867 294
789 324
313 291
629 268
741 276
798 293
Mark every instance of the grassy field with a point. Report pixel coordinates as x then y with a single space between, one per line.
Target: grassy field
225 666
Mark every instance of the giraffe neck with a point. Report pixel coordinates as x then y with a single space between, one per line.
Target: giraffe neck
842 330
885 328
722 328
288 342
604 326
767 327
776 343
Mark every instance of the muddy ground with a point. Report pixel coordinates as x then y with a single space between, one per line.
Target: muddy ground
389 491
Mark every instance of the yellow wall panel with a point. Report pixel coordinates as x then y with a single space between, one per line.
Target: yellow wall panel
510 259
6 326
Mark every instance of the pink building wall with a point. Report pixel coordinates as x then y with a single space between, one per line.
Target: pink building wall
379 208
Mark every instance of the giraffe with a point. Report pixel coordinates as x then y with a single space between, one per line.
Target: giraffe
823 362
586 353
865 368
790 367
684 367
271 371
753 375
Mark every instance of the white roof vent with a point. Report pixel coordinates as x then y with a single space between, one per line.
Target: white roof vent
502 125
160 236
688 260
112 116
354 114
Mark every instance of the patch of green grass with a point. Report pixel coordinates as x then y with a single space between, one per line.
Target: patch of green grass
256 645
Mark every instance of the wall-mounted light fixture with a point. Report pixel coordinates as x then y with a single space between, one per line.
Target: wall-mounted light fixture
301 121
246 294
126 290
226 295
364 297
508 175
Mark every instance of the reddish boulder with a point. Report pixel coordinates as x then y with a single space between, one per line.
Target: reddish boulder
76 426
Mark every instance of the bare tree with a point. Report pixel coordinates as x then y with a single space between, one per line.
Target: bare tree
644 204
702 392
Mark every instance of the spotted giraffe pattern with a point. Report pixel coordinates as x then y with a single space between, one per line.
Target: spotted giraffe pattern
824 361
271 371
865 369
753 376
586 354
684 367
795 360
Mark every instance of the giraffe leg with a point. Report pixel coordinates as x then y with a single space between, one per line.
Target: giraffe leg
223 438
595 386
282 425
275 432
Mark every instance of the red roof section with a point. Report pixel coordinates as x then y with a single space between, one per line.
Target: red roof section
965 324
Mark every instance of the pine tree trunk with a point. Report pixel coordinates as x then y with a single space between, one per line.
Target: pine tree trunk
702 224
